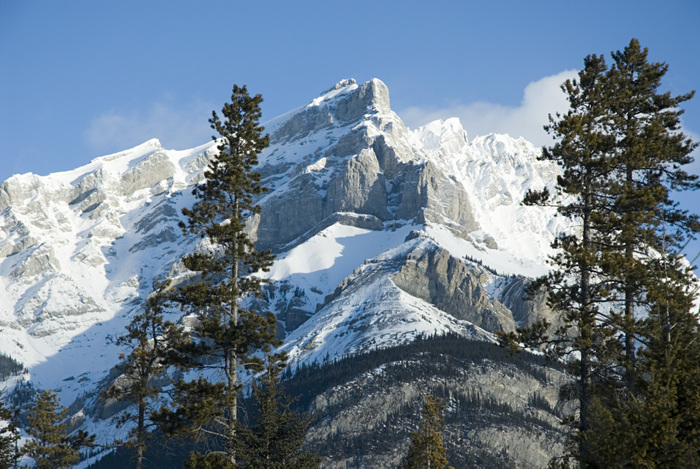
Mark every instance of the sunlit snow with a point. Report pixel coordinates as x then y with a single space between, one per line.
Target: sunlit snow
80 248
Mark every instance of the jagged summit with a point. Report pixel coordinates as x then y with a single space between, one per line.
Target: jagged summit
373 94
342 105
381 233
347 82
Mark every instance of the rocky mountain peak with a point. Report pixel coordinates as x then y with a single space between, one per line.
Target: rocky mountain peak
381 233
343 104
340 85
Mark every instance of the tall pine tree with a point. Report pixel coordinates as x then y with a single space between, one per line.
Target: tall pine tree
226 333
574 285
650 152
621 153
655 393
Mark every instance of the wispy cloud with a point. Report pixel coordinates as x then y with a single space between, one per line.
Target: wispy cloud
540 98
176 126
695 137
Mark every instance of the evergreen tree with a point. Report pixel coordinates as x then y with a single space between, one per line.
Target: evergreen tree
148 337
51 446
426 450
276 439
212 460
666 404
574 285
8 438
645 265
621 153
654 423
226 333
650 152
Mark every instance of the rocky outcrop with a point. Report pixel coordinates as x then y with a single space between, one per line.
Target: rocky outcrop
151 171
527 308
292 306
349 108
369 170
431 196
286 217
359 187
448 283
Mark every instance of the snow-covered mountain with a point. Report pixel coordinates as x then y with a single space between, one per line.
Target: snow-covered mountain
381 233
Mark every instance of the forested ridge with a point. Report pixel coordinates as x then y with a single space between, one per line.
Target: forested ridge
434 361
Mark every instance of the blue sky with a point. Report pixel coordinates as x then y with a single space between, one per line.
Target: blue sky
80 79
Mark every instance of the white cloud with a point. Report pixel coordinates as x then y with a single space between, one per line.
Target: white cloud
694 167
177 127
540 99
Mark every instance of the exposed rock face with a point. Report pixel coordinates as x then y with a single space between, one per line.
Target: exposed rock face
441 200
290 304
526 311
446 282
359 187
369 170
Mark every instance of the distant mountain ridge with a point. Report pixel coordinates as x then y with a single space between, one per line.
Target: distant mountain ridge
382 234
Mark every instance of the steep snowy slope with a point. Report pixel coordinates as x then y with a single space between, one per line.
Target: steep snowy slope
79 250
381 233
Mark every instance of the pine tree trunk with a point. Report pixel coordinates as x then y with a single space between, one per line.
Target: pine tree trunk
629 302
140 434
629 336
232 377
586 324
232 358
